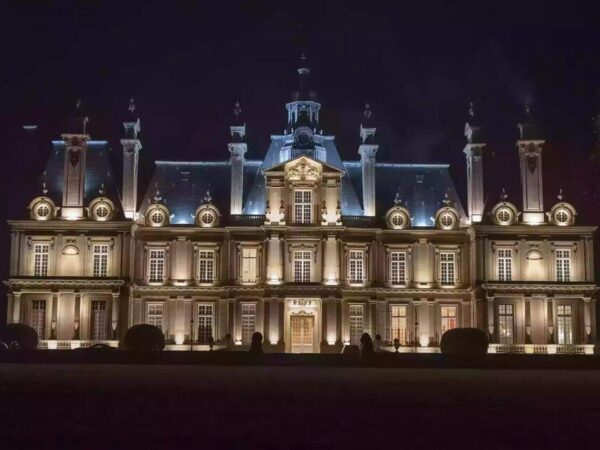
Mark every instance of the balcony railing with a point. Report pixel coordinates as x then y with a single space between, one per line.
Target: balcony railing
360 221
255 220
542 349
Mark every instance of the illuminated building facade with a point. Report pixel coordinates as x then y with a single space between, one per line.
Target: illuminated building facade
310 250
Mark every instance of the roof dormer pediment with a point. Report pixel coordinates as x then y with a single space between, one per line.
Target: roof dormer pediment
303 167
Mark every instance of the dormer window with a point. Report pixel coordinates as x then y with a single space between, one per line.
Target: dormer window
101 209
207 216
157 215
447 221
42 208
157 218
302 206
504 213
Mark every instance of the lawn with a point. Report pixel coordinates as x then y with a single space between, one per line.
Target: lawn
174 406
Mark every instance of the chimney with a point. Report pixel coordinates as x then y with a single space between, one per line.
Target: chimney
131 149
237 148
367 151
530 157
474 154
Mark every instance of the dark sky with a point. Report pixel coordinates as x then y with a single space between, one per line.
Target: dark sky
186 64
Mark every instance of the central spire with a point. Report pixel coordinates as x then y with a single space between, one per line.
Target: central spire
303 92
303 110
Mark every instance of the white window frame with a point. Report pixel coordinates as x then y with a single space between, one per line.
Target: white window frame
100 260
563 265
155 314
205 325
447 268
356 266
399 323
446 318
564 321
303 206
302 266
504 264
41 259
247 322
155 263
206 260
398 268
506 323
356 322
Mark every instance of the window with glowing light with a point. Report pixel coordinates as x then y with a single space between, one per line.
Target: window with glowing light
154 315
356 321
157 217
43 210
506 324
565 324
563 265
447 221
206 266
398 323
562 217
249 265
448 317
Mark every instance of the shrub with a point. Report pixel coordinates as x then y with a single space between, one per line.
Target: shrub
144 338
19 336
464 341
256 345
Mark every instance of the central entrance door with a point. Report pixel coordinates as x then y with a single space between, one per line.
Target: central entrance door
302 333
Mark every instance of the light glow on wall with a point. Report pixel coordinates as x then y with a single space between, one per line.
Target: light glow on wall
179 338
52 345
424 340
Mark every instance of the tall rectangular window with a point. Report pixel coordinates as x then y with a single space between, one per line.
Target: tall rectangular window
356 266
156 265
206 266
249 265
302 266
356 323
38 318
504 264
100 260
302 206
248 322
563 265
98 325
205 323
399 323
447 268
506 323
40 259
565 324
154 315
398 267
448 315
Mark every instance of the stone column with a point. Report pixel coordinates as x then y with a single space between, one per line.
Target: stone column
550 320
331 270
490 314
528 339
587 318
77 317
275 260
54 315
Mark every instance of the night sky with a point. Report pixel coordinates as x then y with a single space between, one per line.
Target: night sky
186 65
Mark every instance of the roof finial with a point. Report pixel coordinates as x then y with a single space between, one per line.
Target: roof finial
367 112
237 109
560 195
157 197
102 191
527 108
447 202
503 195
131 107
207 197
397 199
44 188
471 109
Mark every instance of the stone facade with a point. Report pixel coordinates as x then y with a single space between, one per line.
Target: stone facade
289 247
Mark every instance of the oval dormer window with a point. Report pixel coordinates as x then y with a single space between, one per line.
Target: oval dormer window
208 218
43 211
398 220
102 211
42 208
157 217
447 221
562 217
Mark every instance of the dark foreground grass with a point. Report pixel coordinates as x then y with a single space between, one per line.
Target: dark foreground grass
191 406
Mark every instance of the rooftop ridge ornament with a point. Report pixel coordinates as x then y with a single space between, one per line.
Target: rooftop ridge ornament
207 197
237 109
446 201
102 191
471 110
503 195
157 197
560 195
397 199
44 188
367 113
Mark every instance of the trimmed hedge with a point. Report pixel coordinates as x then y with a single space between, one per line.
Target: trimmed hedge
464 341
144 338
19 336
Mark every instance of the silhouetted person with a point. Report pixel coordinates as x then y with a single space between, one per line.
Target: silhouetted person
366 346
256 345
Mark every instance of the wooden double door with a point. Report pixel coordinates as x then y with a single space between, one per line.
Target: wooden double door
302 329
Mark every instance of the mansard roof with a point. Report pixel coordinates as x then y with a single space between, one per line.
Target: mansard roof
183 186
98 172
421 188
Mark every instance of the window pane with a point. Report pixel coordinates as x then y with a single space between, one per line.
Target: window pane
205 323
356 323
248 322
99 325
